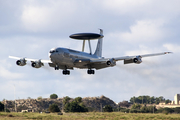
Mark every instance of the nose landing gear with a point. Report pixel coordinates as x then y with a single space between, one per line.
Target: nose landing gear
56 67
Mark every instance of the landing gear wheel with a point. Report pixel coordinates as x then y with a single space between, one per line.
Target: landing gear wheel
90 71
56 68
66 72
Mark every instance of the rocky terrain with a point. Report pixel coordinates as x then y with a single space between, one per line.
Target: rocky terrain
37 105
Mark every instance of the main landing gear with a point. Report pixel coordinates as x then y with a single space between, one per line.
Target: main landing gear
66 72
90 71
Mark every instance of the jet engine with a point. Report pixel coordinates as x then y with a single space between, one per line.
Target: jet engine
137 60
37 64
111 62
21 62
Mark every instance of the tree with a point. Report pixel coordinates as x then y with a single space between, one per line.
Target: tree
167 101
53 96
54 108
74 106
161 99
148 100
1 107
144 109
136 106
78 99
66 100
107 108
152 100
151 109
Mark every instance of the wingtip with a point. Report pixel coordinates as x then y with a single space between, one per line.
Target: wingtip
168 52
11 56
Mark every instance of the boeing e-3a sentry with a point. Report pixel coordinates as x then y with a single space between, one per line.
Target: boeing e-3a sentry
65 59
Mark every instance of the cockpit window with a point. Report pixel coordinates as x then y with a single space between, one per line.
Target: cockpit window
52 51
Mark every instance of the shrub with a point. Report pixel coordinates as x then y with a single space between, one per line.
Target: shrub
107 108
125 110
1 107
54 108
75 107
177 110
53 96
39 98
7 110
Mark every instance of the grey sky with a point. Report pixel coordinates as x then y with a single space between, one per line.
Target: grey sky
30 28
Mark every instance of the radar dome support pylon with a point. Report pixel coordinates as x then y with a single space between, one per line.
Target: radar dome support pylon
87 36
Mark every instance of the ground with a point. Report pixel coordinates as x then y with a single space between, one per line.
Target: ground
88 115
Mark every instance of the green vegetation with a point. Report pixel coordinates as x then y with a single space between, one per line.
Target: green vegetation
169 110
78 99
89 116
74 106
1 107
7 110
66 100
53 96
54 108
107 108
140 108
149 100
39 98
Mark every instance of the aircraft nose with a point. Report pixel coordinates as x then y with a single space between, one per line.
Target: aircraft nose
51 55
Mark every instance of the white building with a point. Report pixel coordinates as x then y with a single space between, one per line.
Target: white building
177 99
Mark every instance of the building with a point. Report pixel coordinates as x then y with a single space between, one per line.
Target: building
177 99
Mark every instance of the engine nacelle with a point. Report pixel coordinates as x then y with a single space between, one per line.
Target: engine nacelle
37 64
137 60
21 62
111 62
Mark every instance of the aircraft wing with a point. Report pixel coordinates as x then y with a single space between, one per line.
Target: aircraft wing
29 59
146 55
103 63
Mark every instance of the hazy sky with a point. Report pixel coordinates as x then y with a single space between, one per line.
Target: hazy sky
30 28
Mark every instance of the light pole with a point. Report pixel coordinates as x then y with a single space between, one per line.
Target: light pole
5 106
15 98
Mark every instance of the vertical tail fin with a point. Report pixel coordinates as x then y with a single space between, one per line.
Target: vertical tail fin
98 51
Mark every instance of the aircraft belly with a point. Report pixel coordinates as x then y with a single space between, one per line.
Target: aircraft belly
100 66
62 60
92 66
